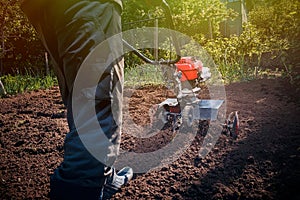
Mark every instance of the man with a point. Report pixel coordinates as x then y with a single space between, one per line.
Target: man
70 30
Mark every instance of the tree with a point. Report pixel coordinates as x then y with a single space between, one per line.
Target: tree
20 46
191 17
278 18
195 17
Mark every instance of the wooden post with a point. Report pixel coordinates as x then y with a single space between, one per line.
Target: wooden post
2 89
47 63
210 27
156 40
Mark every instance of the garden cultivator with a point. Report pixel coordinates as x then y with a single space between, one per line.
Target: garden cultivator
187 108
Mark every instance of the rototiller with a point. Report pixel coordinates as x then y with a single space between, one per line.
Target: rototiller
187 108
189 72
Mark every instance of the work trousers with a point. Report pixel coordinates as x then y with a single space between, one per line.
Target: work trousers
70 31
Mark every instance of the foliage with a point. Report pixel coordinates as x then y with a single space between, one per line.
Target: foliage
144 75
21 83
279 24
20 45
280 20
195 17
272 27
191 17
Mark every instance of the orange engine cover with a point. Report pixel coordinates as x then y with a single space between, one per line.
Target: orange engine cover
190 68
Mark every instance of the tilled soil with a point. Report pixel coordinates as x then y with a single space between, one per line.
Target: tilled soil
263 163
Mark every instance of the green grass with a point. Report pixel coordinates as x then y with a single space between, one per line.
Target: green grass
135 77
143 75
15 84
238 73
230 73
